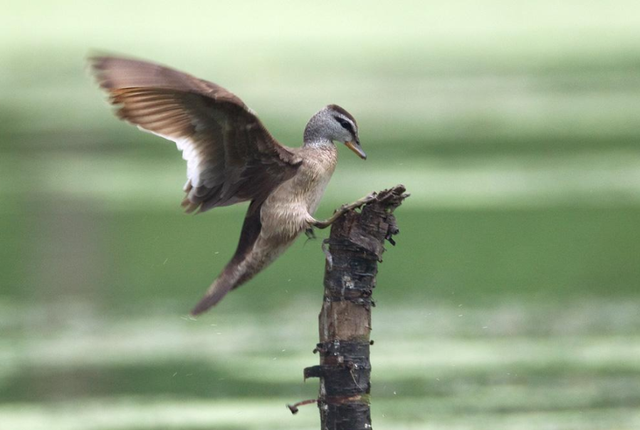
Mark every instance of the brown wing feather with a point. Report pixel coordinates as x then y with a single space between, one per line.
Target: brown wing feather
231 157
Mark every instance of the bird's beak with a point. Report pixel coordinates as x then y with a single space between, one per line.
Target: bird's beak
355 147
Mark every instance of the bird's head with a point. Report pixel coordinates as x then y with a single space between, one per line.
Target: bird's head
334 124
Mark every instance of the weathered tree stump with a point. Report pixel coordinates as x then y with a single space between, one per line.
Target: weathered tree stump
355 247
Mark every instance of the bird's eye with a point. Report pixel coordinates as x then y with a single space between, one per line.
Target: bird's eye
345 124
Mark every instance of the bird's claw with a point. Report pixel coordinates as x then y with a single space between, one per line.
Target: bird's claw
310 233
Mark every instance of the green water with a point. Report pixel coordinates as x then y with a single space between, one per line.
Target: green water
510 301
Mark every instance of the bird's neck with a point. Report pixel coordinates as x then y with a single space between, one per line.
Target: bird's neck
315 133
318 143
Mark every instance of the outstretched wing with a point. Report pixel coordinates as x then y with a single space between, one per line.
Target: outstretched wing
231 157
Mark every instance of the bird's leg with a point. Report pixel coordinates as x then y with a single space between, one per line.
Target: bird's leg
344 209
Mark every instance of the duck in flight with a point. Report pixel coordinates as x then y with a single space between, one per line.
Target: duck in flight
232 158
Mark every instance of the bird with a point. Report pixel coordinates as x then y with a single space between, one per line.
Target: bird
232 158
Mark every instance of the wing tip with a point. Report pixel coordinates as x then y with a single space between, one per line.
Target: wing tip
101 65
98 66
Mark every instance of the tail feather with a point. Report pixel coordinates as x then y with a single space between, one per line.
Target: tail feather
216 292
236 271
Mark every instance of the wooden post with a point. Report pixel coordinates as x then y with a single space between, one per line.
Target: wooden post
355 247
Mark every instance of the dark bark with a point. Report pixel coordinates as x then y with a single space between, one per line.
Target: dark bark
355 247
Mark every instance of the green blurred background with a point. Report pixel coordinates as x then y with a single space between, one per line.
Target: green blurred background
510 302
